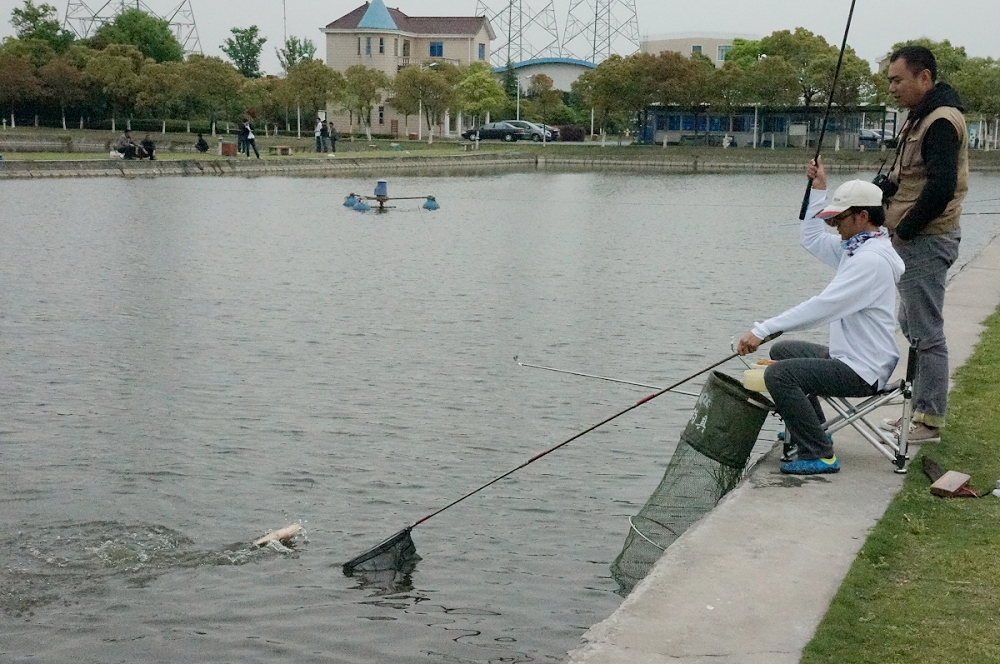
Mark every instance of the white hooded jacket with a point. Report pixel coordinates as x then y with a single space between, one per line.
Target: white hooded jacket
859 304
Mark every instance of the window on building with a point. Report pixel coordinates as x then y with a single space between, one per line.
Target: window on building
437 49
406 48
723 50
381 45
368 45
395 47
359 45
696 48
381 115
482 51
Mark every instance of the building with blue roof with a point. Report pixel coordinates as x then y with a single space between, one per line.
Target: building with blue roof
386 39
562 71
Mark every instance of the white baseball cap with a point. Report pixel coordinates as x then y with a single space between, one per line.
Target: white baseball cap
856 193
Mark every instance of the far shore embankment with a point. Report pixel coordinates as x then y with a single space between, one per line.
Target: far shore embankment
29 153
638 159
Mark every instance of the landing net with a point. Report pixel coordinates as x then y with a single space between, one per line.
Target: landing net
395 553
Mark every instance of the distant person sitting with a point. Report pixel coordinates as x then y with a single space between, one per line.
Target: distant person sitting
148 147
201 145
126 146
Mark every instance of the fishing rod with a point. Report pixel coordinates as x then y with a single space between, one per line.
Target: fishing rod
611 380
826 116
401 542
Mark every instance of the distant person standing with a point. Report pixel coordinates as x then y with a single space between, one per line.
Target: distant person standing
324 137
318 133
333 138
249 140
925 189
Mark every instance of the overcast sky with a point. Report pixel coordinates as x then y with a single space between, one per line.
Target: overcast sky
876 25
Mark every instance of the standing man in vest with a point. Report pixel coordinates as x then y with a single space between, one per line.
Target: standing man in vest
924 190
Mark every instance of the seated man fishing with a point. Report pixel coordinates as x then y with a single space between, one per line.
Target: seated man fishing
127 147
858 304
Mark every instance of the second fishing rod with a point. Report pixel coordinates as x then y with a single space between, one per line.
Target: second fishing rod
829 104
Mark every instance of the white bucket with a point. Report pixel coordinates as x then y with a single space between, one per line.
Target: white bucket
753 379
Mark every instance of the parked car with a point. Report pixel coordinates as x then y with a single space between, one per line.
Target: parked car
869 138
874 138
887 138
501 130
534 131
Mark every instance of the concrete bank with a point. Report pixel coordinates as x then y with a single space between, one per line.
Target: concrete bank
750 582
462 162
321 167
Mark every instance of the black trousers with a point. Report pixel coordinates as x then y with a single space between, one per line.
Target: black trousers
803 371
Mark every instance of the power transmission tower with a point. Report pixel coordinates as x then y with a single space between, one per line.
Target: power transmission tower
522 33
83 21
597 28
181 20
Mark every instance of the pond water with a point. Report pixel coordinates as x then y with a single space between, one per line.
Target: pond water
188 363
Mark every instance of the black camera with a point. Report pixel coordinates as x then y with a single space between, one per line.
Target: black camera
888 187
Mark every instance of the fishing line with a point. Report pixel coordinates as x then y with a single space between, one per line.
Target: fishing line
398 547
826 116
611 380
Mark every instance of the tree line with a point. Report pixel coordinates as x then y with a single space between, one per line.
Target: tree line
786 68
133 67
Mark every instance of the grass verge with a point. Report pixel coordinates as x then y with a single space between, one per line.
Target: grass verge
926 585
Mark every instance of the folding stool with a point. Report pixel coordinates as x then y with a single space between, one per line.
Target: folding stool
856 415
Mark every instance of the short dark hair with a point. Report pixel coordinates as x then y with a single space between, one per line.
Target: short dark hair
876 214
917 58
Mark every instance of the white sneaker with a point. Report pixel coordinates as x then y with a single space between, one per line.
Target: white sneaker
892 424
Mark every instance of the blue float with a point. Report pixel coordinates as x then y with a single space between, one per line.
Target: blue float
351 200
361 206
431 204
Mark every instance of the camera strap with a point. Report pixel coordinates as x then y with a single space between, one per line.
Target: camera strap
900 142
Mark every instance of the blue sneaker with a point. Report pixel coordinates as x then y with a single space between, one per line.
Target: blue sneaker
811 466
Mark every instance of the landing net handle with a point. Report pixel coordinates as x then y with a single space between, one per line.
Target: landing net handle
403 536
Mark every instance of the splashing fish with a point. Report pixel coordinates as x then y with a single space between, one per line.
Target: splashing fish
284 536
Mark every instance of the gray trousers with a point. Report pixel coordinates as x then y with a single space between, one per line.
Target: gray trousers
803 371
921 301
